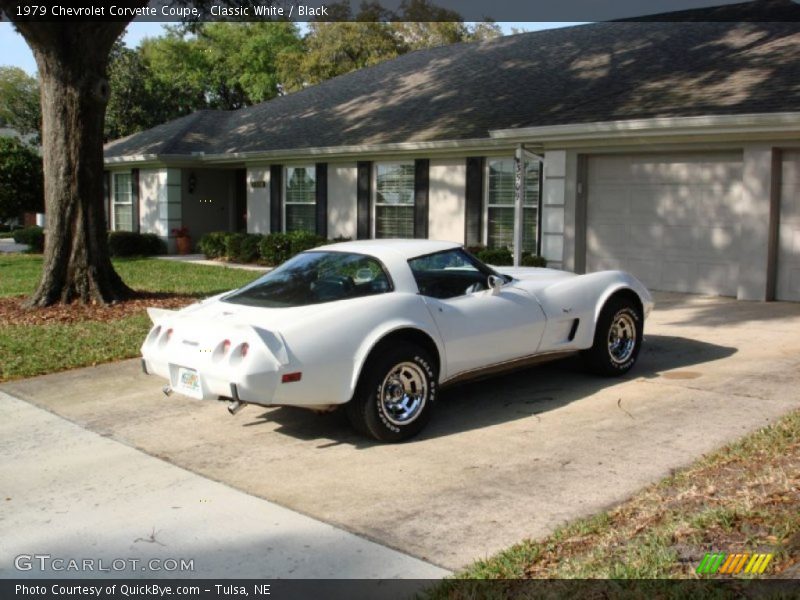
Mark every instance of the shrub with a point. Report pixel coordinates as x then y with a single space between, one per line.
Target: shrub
32 236
129 243
242 247
214 245
304 240
275 248
496 256
531 260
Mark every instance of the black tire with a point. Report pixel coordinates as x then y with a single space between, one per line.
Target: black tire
617 318
394 369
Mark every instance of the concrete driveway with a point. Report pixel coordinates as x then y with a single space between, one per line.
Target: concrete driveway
504 459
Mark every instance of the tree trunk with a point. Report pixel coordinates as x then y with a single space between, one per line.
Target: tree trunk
72 60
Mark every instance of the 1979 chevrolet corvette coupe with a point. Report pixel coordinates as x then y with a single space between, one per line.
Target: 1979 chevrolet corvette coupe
379 325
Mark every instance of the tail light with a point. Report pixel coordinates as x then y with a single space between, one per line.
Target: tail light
168 334
226 345
245 349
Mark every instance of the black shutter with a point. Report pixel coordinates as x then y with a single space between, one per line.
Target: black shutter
135 198
276 198
474 201
421 184
107 196
363 199
322 199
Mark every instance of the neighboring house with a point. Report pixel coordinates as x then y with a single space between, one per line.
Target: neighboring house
671 150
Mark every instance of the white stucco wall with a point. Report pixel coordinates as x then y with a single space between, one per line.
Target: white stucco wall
160 202
258 200
152 193
554 201
342 191
446 199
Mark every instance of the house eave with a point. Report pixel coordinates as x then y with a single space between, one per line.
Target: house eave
432 148
781 124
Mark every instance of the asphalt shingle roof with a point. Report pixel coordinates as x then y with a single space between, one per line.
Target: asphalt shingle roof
598 72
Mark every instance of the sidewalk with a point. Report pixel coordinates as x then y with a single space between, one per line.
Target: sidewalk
73 494
200 259
8 245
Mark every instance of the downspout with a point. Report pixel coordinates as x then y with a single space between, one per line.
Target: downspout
519 200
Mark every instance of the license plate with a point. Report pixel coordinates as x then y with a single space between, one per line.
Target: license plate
189 383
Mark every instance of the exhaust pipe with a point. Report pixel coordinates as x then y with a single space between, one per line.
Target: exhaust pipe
167 391
234 406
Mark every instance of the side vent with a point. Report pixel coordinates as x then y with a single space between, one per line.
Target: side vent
573 330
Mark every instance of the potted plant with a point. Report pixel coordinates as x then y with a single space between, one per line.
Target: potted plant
182 240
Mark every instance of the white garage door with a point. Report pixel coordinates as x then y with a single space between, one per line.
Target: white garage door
788 287
670 219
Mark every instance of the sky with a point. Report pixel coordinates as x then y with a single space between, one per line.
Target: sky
15 52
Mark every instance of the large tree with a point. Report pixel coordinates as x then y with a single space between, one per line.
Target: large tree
72 59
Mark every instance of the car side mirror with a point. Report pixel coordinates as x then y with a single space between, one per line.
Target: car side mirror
495 283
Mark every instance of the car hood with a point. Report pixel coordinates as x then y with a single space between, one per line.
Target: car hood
535 277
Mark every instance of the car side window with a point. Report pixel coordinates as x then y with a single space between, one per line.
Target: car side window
448 274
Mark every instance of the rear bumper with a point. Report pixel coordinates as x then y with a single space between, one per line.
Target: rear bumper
253 387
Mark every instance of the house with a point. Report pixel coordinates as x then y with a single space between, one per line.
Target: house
670 150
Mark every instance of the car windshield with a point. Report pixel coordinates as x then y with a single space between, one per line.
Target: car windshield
313 278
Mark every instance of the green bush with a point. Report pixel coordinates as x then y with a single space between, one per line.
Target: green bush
214 245
275 248
242 247
32 236
305 240
129 243
498 257
531 260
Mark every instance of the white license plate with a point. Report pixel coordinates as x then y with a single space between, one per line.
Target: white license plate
189 383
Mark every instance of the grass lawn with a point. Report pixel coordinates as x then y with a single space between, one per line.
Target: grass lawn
744 498
98 335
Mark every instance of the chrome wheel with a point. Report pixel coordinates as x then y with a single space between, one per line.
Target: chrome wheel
403 393
622 337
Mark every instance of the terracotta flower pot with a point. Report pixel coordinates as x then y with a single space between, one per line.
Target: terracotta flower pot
184 244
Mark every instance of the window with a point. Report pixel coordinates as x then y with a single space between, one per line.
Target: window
313 278
123 202
301 199
394 200
449 274
500 205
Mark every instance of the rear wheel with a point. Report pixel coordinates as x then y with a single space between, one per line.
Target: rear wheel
395 395
617 338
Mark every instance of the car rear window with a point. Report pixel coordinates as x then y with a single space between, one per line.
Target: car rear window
314 278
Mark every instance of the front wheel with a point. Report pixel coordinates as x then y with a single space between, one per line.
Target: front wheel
617 338
395 395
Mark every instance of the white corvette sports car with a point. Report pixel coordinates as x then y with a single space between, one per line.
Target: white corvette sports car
379 325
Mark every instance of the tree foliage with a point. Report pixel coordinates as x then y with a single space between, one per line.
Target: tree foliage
19 101
230 65
21 179
373 36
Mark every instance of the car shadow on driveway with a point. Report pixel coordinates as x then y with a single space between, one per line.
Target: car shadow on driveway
503 398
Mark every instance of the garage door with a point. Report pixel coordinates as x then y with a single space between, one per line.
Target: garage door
788 287
667 218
